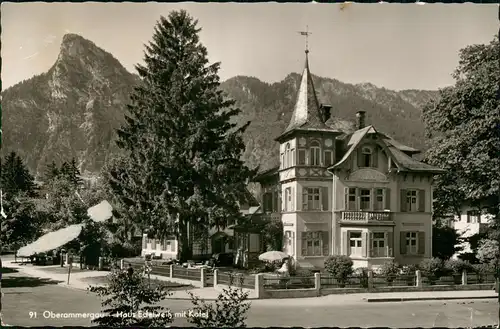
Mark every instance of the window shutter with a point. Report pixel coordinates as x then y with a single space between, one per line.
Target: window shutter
144 240
345 243
387 198
346 198
153 244
302 156
358 199
325 243
304 244
390 243
370 244
402 243
282 164
421 200
375 157
364 245
421 243
304 198
292 204
324 198
283 202
403 200
275 202
360 157
172 245
292 160
373 195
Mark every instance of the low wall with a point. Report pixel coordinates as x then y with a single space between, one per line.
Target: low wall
333 291
289 293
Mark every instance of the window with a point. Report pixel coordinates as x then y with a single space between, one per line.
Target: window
473 216
365 199
167 245
267 202
288 199
411 200
411 242
378 244
311 199
328 158
315 154
355 243
352 199
282 160
366 156
288 161
312 244
302 157
379 199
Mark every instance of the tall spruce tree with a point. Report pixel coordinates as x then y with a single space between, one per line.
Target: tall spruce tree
183 166
16 178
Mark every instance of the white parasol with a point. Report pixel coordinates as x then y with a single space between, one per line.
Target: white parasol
100 212
51 241
272 256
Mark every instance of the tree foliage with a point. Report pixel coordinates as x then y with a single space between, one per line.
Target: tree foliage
182 164
15 177
128 299
229 310
445 241
463 130
488 252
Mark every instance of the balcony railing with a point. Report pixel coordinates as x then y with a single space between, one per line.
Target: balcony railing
366 216
272 216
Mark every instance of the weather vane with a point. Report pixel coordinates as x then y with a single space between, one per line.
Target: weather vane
306 34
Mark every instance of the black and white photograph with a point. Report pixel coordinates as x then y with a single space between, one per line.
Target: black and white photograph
250 165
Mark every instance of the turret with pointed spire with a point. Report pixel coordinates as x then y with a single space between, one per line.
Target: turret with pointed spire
307 113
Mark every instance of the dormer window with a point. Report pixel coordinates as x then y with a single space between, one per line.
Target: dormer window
315 154
366 157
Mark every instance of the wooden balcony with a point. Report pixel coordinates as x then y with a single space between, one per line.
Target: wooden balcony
364 217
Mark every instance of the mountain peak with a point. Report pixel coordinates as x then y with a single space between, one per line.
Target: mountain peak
74 45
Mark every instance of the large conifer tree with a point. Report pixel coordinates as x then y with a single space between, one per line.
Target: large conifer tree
183 167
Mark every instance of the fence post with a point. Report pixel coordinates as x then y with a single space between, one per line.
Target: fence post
216 278
101 263
317 283
418 282
202 277
122 264
171 271
259 285
464 277
370 280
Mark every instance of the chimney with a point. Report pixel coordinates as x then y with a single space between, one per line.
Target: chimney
326 112
360 115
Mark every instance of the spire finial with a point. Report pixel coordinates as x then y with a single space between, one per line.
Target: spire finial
306 34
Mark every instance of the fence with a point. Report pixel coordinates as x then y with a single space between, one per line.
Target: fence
323 284
235 279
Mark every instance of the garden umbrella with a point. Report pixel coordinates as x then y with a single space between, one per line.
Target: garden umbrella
51 241
100 212
272 256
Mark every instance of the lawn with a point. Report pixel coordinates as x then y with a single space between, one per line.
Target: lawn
100 280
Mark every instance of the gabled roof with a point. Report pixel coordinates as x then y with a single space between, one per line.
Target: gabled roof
393 148
307 113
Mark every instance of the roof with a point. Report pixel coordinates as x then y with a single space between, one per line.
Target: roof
395 149
266 173
307 113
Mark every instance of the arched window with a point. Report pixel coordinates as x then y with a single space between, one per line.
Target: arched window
366 157
315 152
288 154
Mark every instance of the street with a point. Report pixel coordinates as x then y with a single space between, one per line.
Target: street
22 301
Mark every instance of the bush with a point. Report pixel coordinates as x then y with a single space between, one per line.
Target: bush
306 276
130 294
389 270
432 268
456 266
409 269
362 274
229 310
340 267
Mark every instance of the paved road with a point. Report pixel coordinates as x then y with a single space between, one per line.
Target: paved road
39 296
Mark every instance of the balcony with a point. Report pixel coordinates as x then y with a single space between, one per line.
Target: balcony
365 217
272 216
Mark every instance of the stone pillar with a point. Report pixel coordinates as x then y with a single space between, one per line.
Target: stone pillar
317 283
101 263
67 258
259 286
419 278
370 280
464 277
171 271
216 278
122 264
202 277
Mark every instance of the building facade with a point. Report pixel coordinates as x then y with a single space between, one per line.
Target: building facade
338 192
471 221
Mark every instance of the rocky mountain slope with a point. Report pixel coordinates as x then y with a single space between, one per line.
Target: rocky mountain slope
74 109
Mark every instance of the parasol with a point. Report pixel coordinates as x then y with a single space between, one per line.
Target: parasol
272 256
51 241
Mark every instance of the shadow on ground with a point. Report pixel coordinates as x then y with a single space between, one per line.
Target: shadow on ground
8 270
25 282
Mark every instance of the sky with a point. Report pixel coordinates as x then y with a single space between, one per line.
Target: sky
396 46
